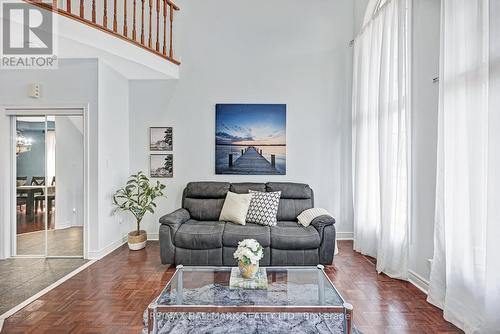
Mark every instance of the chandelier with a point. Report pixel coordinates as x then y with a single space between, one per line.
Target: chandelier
23 144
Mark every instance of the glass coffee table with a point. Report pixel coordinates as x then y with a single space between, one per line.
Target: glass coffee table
201 298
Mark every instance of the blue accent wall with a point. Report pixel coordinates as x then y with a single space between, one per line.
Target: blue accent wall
32 163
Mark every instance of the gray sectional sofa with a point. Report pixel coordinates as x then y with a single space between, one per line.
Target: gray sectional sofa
193 235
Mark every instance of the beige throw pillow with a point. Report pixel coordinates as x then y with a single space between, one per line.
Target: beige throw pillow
235 208
307 216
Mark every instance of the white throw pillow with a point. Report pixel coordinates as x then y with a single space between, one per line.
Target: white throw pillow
264 207
235 208
307 216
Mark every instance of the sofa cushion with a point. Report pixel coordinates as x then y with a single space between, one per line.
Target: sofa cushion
204 200
235 208
195 234
290 209
291 235
206 189
291 190
243 188
295 198
204 209
263 208
234 233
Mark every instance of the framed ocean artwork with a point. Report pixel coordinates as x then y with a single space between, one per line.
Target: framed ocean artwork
250 139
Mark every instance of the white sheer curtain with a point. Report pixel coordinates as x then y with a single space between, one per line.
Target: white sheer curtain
381 139
465 275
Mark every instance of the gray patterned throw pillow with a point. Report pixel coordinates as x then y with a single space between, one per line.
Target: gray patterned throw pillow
263 207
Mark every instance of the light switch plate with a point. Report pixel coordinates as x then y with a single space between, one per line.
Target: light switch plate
34 90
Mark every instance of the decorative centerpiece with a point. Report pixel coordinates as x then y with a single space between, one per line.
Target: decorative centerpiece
138 196
248 254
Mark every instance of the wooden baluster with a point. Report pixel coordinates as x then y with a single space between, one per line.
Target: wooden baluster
93 11
68 6
115 22
157 25
81 9
134 32
54 5
105 15
171 50
165 27
125 30
142 24
150 40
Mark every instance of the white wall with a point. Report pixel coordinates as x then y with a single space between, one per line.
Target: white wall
75 82
69 165
80 82
113 155
256 52
5 177
425 100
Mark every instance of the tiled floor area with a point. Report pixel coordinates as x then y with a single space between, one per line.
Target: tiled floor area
22 278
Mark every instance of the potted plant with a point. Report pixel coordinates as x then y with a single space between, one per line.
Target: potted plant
138 196
248 254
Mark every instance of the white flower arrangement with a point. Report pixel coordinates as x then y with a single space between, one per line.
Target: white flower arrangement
249 251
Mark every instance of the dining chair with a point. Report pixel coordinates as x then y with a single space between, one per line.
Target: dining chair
21 181
51 195
39 195
38 181
20 201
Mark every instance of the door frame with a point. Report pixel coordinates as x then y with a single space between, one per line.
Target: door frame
13 111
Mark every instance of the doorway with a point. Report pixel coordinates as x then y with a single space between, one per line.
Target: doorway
48 164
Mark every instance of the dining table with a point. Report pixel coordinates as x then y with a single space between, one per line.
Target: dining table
31 191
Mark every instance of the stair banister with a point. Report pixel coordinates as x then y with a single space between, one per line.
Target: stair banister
165 8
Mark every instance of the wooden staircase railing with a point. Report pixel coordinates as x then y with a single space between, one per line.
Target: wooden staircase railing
152 20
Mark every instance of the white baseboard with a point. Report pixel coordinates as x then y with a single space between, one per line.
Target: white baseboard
345 236
97 255
153 236
63 225
418 281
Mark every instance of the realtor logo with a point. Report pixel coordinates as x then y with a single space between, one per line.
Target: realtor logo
27 36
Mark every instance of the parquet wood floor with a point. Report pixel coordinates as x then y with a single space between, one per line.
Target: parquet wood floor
25 224
110 296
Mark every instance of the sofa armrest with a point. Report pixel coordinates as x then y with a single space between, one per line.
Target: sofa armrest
325 225
176 218
169 224
320 222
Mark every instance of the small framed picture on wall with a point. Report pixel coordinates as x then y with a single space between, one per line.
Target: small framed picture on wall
160 139
161 165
